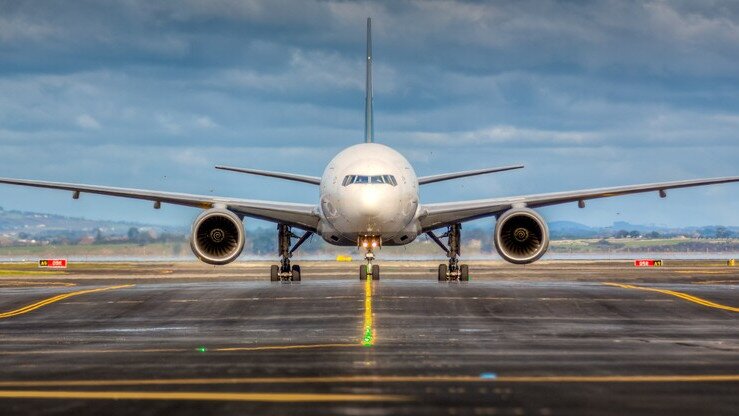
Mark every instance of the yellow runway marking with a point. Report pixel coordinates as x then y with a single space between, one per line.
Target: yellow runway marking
681 295
57 298
11 283
638 378
283 347
368 335
202 396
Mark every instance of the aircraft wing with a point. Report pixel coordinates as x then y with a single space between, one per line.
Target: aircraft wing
315 180
439 215
304 216
454 175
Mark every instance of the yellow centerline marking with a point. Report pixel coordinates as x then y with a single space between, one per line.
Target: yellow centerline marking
34 283
203 396
634 378
368 334
680 295
57 298
283 347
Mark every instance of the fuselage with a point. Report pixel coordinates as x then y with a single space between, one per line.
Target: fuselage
369 190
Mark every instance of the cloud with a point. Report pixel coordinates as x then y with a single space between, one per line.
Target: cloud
621 90
87 121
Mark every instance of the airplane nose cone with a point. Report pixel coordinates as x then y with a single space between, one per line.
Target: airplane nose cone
371 201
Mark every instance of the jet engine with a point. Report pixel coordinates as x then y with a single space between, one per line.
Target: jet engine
217 236
521 236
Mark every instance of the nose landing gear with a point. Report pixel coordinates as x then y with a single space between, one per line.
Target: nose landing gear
286 272
369 270
453 271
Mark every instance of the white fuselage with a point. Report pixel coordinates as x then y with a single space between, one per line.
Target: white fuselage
369 190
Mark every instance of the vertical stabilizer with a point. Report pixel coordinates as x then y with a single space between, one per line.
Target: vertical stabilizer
369 128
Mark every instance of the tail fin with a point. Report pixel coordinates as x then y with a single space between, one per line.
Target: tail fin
369 127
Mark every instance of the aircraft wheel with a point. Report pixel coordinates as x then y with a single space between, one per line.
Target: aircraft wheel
375 272
464 273
442 272
274 271
296 273
363 272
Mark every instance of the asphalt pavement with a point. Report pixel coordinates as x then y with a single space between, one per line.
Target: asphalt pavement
575 338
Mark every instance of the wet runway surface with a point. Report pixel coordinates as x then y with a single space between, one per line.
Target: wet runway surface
559 338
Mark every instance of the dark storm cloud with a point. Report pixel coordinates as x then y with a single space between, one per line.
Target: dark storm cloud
551 83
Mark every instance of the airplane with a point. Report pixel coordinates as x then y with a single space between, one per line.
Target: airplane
369 198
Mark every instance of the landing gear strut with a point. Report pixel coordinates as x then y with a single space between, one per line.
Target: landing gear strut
454 270
284 271
369 270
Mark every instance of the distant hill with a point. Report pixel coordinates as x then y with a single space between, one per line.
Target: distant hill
571 230
22 224
40 225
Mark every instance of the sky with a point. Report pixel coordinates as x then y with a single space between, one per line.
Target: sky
153 94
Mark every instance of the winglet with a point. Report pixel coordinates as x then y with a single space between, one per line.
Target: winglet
369 128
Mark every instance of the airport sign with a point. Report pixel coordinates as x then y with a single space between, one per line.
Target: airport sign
647 263
53 263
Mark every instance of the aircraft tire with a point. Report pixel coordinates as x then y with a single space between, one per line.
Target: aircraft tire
442 272
375 272
296 273
464 273
274 271
363 272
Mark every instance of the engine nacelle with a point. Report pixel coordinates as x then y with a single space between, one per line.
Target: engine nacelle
521 236
217 236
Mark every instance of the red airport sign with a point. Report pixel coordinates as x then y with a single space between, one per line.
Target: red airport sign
53 263
647 263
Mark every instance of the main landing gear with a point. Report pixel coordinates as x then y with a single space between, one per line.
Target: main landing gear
453 271
284 271
369 270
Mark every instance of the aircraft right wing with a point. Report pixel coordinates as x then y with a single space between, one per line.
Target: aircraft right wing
442 214
454 175
304 216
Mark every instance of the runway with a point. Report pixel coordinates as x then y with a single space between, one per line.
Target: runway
555 338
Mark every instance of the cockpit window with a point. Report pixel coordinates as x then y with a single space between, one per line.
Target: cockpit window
374 179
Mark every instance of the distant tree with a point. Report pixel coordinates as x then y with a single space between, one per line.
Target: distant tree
653 234
99 238
634 234
133 234
621 234
723 232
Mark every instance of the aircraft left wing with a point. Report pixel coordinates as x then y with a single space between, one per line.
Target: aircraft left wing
304 216
442 214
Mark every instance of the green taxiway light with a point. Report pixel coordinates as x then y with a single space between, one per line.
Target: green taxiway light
201 349
367 341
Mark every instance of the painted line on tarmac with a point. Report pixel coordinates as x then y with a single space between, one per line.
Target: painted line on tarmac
202 349
368 334
57 298
25 283
199 396
633 378
681 295
282 347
